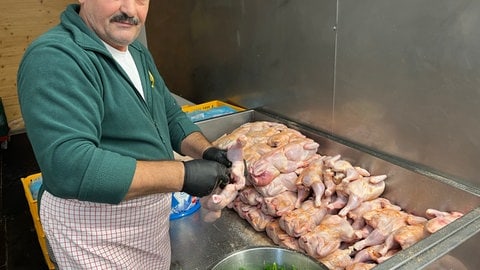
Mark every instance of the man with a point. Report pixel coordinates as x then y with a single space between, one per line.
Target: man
103 127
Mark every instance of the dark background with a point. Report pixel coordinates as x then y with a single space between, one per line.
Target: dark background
19 244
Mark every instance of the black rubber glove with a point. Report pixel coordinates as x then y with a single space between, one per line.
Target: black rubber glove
203 176
218 155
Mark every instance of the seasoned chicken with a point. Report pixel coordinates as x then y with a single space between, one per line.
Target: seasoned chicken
361 266
281 183
384 221
241 208
408 235
368 254
284 137
360 190
280 237
302 220
286 159
258 219
357 214
327 236
440 219
250 195
280 204
321 205
337 260
312 178
257 132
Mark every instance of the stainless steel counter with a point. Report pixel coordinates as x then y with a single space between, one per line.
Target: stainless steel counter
200 245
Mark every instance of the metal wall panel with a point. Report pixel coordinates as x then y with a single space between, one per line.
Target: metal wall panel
277 54
400 77
408 81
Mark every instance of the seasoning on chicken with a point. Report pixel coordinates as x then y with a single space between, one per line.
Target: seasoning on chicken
286 159
302 220
357 214
327 236
408 235
250 195
280 237
281 183
360 266
312 178
280 204
337 260
384 221
359 190
440 219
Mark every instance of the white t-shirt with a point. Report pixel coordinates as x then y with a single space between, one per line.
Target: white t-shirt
125 60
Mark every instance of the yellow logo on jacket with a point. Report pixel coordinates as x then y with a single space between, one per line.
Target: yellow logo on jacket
152 79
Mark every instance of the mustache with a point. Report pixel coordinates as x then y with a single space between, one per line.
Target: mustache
124 18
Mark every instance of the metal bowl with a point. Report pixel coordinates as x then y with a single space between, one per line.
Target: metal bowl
257 258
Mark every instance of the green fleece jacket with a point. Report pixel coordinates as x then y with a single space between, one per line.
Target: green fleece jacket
86 122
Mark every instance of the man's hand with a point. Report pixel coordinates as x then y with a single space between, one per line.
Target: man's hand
217 155
203 176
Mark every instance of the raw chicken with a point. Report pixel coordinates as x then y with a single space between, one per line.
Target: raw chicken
403 237
292 156
408 235
321 205
327 237
329 182
368 254
361 266
280 204
258 219
257 132
357 214
384 221
235 155
312 178
284 137
241 208
253 214
344 168
253 152
280 237
440 219
302 220
374 254
250 195
281 183
337 260
213 204
360 190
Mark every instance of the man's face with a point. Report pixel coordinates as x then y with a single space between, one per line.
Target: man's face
117 22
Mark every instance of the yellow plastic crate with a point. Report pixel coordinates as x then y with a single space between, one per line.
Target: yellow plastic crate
209 105
32 204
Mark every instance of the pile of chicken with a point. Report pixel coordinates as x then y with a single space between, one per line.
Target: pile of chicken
320 205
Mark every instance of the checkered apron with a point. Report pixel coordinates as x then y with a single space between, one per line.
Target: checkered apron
86 235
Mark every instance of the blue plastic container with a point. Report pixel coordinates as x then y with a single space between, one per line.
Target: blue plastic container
35 187
183 205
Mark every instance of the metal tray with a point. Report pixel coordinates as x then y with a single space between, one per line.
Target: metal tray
413 188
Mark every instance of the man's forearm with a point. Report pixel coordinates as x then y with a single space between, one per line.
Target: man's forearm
194 145
156 177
